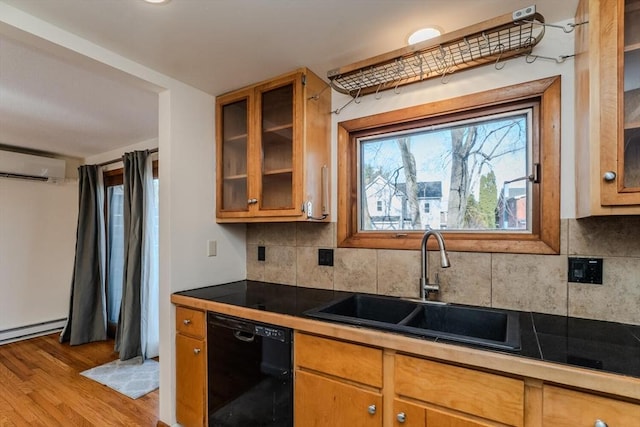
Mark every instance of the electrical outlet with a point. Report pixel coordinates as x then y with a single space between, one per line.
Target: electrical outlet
261 253
325 257
585 270
524 13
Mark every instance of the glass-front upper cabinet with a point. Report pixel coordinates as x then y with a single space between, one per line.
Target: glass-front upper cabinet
631 94
276 145
273 150
607 107
233 149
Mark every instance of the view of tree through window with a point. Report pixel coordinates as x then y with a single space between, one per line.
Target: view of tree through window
465 175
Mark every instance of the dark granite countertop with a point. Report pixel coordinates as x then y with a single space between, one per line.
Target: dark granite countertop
605 346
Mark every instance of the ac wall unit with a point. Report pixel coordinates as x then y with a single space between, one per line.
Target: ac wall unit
28 166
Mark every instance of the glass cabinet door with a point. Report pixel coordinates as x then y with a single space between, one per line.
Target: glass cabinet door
630 149
234 155
276 140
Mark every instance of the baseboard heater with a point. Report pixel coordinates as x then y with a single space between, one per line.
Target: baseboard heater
31 331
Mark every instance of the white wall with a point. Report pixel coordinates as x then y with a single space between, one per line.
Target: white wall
37 246
187 204
554 43
187 218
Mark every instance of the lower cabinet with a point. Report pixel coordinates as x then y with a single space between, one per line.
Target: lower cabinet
191 367
569 408
344 384
337 384
322 402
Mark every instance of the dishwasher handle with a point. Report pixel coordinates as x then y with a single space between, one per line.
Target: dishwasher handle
231 323
243 336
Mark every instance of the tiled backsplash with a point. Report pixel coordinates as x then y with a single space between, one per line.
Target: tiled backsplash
514 281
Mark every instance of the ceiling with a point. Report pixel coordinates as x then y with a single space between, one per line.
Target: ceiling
50 103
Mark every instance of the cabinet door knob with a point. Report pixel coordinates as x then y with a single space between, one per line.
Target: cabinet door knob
401 417
609 176
252 201
599 423
196 351
186 321
371 409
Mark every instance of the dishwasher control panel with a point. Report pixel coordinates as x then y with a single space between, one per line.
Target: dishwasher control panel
273 333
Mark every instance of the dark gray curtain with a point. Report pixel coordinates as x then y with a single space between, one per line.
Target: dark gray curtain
87 320
128 334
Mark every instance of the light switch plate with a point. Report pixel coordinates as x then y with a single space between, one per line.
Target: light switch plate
212 248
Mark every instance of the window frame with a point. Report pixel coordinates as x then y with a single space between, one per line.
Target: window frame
544 237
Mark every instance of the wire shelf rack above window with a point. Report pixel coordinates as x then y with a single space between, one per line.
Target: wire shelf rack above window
494 40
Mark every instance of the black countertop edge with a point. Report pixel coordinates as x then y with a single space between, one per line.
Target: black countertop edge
593 344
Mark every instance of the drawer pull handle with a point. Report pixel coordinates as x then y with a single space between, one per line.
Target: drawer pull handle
196 351
401 417
600 423
371 409
186 322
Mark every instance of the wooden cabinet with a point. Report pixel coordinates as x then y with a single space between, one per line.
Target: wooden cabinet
569 408
273 150
321 401
608 107
344 384
463 397
337 384
191 367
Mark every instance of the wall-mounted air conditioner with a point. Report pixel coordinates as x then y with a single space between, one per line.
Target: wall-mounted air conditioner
29 166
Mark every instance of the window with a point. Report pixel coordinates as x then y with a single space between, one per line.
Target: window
379 205
488 163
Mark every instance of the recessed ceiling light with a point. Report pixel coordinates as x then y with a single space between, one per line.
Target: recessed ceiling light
424 34
157 1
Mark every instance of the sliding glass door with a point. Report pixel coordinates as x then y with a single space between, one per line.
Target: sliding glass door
114 195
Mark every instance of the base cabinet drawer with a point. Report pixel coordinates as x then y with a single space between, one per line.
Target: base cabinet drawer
479 394
190 322
569 408
350 361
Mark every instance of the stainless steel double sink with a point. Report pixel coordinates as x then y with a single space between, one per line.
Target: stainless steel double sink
486 327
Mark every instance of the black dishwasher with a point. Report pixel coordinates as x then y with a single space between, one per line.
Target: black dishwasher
250 382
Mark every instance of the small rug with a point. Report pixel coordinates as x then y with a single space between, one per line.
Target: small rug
131 378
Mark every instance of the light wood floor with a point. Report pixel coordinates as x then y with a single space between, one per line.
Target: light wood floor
41 385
